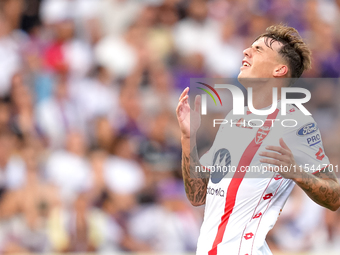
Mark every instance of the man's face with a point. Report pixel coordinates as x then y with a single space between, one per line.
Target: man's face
260 61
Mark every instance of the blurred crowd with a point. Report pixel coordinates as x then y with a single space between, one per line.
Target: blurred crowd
89 142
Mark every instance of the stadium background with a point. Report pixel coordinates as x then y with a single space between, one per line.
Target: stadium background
89 142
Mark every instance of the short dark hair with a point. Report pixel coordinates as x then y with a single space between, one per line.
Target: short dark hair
294 50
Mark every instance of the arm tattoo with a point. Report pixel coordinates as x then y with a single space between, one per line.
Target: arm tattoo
195 182
322 187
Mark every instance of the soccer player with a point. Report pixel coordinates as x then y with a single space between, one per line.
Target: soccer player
240 211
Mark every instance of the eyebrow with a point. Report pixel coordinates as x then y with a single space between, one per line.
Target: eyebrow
268 41
260 47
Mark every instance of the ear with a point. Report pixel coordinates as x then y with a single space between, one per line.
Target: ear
280 71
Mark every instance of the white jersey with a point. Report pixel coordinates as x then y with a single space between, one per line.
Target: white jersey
240 208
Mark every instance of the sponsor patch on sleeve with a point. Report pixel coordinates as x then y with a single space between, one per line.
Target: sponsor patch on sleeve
307 129
314 139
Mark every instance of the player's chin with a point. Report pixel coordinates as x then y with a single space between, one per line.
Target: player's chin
242 76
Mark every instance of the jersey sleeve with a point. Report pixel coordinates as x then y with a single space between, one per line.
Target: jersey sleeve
306 145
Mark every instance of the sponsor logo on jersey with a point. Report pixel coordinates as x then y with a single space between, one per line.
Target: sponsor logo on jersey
313 140
215 192
222 160
262 132
248 236
307 129
277 177
268 196
320 155
258 215
291 111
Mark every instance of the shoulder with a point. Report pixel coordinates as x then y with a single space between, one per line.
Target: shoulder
295 123
294 114
302 128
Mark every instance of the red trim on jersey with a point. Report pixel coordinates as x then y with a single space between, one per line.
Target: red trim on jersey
258 225
252 217
206 168
318 171
234 185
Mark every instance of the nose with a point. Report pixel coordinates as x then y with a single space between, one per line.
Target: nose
247 52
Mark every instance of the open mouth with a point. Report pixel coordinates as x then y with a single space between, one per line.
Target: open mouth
245 63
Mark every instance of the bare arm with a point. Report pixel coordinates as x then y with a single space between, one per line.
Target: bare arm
195 182
323 188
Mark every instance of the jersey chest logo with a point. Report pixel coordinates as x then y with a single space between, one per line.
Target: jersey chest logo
222 161
261 134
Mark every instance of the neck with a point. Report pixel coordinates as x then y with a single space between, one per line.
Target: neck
263 95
